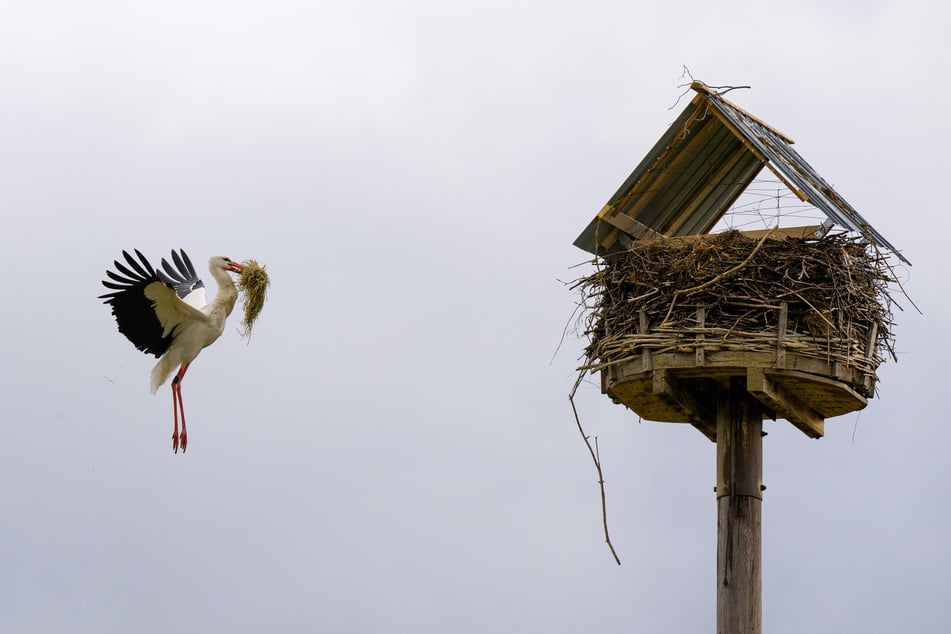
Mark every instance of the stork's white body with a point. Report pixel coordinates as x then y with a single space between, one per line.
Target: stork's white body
192 329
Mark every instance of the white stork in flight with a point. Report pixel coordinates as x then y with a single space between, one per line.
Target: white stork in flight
164 313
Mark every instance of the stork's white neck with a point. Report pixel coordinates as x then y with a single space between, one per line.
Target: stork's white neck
227 294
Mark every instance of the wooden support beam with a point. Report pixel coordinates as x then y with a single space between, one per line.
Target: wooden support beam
758 154
787 406
644 322
701 318
869 351
776 233
781 233
739 512
678 396
781 335
627 224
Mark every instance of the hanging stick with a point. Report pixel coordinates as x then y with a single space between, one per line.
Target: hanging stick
596 457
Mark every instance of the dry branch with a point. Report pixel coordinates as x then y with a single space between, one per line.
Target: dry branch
596 457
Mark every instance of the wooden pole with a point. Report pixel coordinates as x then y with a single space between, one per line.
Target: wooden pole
739 512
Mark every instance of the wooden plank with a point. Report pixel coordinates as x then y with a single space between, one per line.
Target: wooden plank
742 137
781 233
787 406
620 222
639 397
781 335
644 323
845 392
814 388
717 359
628 225
871 341
777 233
677 396
701 317
869 382
730 362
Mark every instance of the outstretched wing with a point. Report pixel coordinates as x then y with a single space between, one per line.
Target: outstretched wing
183 278
147 309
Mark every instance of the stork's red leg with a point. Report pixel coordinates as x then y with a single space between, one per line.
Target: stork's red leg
175 414
177 386
182 437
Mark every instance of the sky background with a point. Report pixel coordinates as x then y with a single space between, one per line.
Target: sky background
394 451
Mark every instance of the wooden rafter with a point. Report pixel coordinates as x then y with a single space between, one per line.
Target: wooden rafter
785 404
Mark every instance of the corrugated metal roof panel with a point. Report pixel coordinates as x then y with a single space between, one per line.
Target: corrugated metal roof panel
699 167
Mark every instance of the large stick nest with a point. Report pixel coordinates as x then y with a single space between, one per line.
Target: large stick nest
836 291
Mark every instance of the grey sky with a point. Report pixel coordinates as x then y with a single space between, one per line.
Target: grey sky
393 451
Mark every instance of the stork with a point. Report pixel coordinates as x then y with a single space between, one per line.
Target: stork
163 312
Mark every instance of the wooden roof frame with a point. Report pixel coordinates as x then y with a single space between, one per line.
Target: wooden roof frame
699 167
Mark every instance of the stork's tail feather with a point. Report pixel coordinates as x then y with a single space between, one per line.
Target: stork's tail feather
160 373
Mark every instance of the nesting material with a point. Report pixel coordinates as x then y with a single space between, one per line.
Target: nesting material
253 283
829 296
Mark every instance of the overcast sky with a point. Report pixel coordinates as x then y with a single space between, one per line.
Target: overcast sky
394 450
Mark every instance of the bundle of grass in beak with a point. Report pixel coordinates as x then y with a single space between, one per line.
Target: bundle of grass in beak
253 282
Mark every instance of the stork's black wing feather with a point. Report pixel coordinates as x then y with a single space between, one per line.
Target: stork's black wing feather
170 271
116 277
125 270
178 261
145 272
184 280
189 265
132 309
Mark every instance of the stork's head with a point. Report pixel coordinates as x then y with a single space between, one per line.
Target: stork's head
224 263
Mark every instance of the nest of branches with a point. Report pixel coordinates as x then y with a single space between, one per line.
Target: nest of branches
832 292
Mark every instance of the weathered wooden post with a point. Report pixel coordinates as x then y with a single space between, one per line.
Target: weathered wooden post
725 330
739 512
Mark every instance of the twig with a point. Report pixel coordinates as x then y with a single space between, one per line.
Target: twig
722 90
579 306
686 73
719 277
595 456
897 281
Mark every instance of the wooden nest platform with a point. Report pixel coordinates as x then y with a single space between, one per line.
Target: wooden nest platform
801 322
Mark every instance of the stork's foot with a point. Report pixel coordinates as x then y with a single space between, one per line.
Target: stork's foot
179 440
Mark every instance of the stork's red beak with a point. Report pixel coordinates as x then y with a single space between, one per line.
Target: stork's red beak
234 267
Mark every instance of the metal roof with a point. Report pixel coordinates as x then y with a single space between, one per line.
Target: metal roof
699 167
